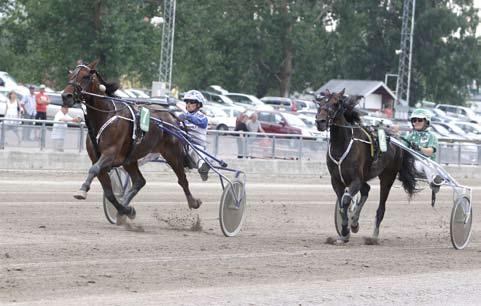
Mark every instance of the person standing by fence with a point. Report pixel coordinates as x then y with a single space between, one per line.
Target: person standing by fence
242 127
29 104
13 111
60 127
42 102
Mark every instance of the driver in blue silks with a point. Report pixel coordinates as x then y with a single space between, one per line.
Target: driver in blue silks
196 123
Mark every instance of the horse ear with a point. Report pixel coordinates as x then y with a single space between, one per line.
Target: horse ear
69 71
93 64
341 93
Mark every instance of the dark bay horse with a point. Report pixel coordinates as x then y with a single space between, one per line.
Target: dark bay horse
111 140
351 163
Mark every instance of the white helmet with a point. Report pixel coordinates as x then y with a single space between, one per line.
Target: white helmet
195 95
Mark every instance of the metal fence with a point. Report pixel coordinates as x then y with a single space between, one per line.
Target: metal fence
40 135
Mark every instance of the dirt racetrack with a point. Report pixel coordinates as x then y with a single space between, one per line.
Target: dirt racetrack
55 250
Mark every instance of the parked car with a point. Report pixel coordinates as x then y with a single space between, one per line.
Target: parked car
218 119
453 129
280 103
248 101
222 101
3 104
7 82
472 130
137 93
459 112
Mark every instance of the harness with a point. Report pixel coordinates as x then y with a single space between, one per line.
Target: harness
349 146
79 96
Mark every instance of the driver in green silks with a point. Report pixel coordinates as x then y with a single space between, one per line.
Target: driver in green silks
422 140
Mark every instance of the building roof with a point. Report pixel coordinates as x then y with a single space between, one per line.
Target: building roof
356 87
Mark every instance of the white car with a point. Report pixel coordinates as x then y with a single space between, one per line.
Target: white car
3 104
472 130
218 119
248 101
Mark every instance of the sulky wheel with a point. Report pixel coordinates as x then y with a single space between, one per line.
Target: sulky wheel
121 184
232 210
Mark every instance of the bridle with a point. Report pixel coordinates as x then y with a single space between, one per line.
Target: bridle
80 93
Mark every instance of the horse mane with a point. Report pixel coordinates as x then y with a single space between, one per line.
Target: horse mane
350 113
110 87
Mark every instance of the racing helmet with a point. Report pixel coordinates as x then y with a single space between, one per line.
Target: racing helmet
195 95
421 113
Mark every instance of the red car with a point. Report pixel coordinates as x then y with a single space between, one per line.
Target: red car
281 123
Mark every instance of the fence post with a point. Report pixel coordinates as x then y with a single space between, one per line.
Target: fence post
299 152
2 136
216 144
43 136
81 137
273 153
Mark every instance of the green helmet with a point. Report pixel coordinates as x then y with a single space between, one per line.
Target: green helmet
421 113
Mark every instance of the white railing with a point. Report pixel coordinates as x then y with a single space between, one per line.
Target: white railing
34 135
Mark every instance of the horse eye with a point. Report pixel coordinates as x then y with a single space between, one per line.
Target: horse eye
86 77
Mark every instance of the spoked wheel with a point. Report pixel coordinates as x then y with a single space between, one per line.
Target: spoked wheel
232 210
461 221
337 214
121 184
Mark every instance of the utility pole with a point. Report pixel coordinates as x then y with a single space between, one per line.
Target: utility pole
164 85
405 56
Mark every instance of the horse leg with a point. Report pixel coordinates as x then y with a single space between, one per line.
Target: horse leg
138 181
386 183
357 212
176 161
103 162
122 210
346 200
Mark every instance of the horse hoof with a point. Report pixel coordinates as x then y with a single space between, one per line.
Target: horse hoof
195 203
121 219
344 239
80 195
355 228
371 241
132 214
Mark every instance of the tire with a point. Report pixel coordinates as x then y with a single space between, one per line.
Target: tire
121 184
461 221
232 213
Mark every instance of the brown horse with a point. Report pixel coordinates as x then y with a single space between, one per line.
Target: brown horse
112 137
351 163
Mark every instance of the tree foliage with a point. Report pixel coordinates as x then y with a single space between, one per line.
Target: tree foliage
256 46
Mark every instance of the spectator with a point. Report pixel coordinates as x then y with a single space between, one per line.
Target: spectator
13 111
241 126
28 103
60 127
254 126
42 101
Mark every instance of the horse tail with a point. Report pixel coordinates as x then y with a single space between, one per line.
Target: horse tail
407 174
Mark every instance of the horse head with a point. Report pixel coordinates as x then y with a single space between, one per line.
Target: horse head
334 108
329 110
85 79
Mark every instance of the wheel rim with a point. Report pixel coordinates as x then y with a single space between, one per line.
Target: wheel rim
120 185
461 221
232 214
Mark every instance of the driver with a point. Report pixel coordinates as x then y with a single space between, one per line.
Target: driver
422 140
196 123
